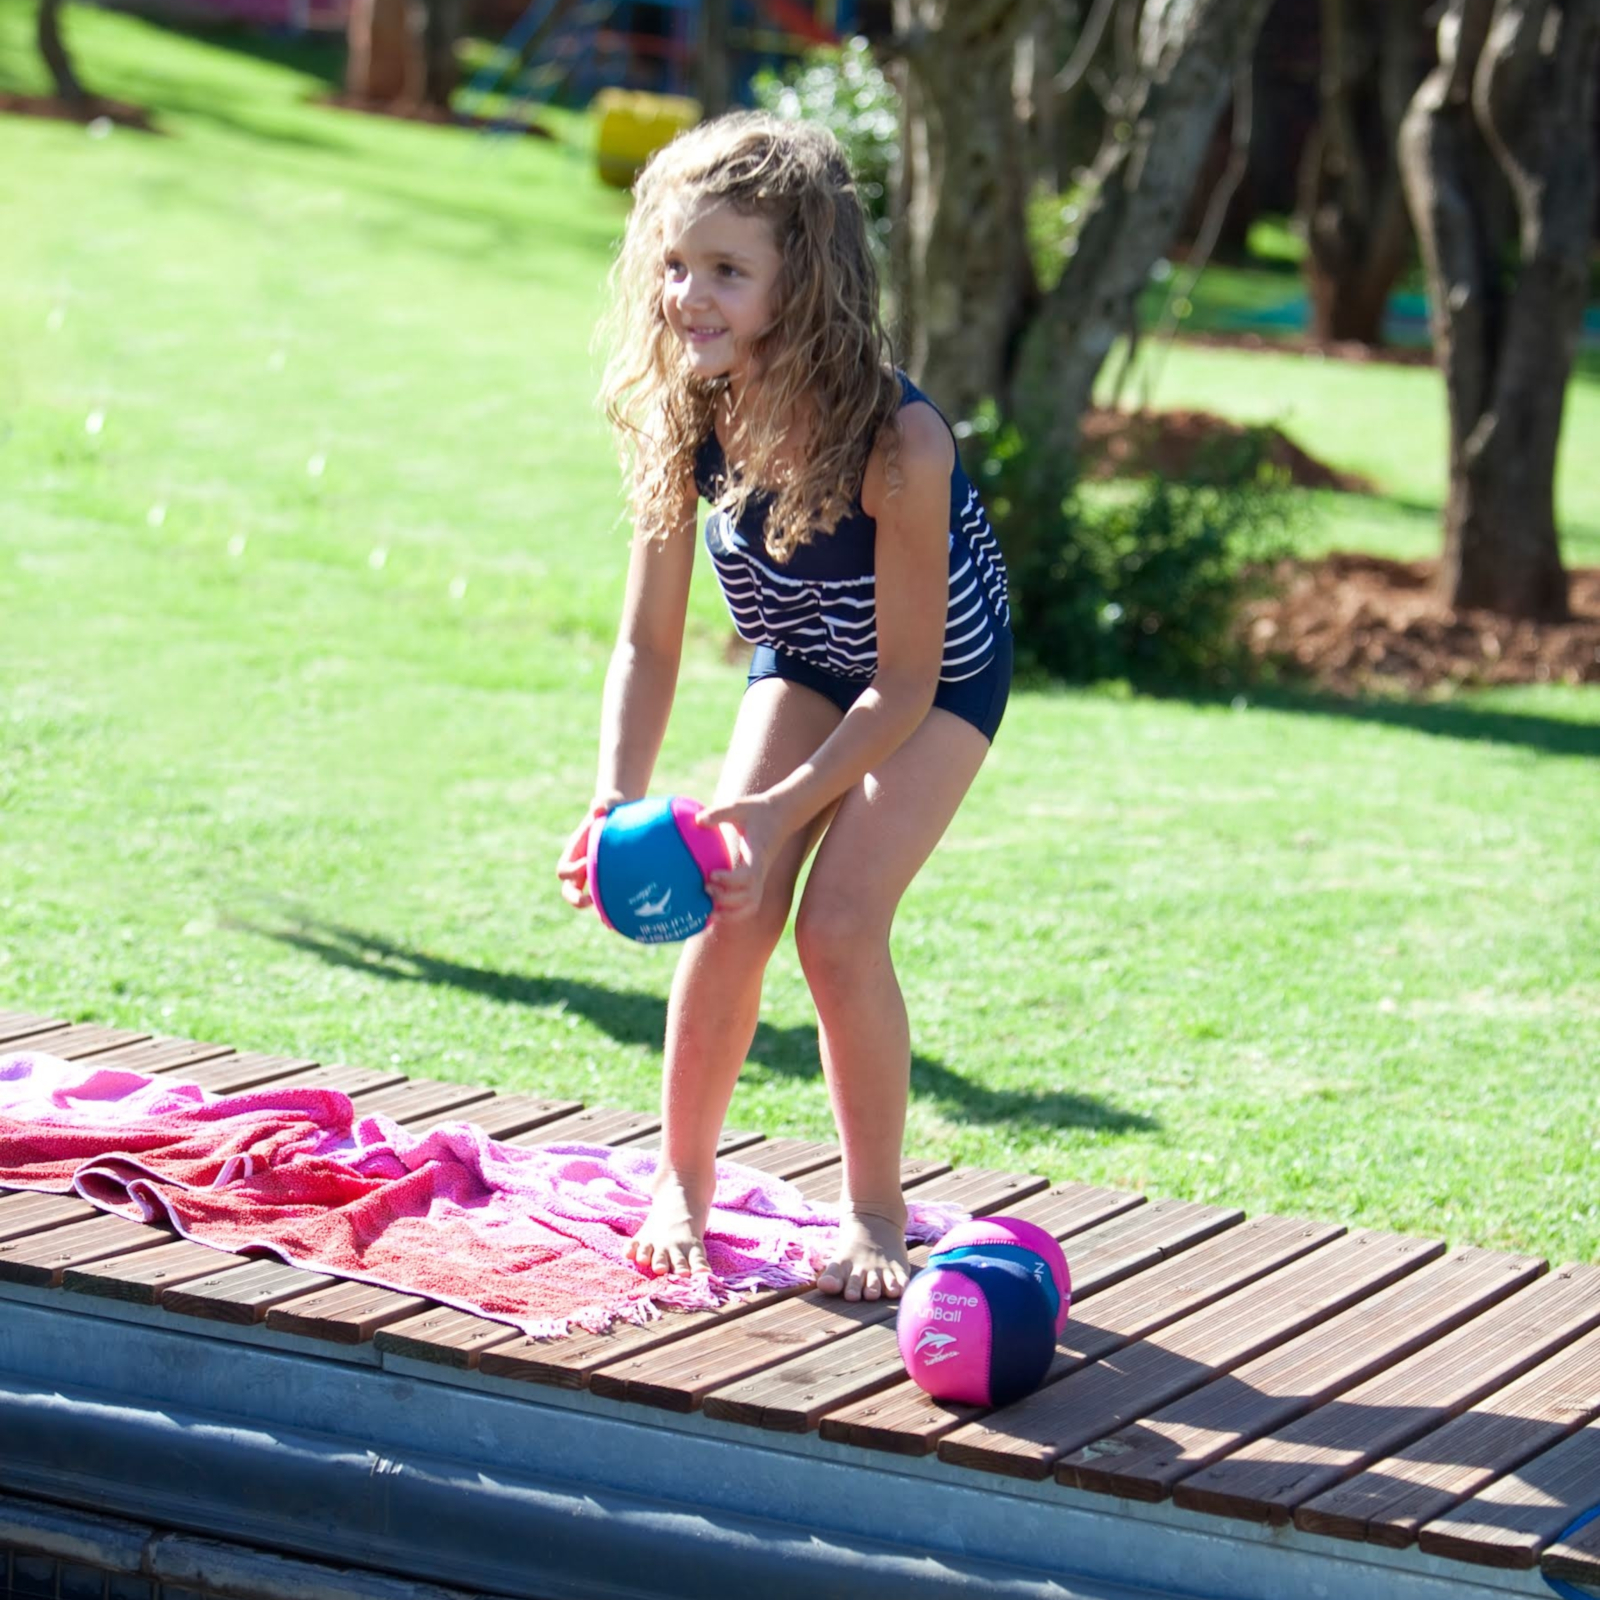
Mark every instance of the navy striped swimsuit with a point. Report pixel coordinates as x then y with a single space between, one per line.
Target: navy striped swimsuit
818 609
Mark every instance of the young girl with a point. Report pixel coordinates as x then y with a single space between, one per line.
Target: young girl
751 367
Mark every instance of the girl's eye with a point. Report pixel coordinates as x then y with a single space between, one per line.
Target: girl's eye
674 269
728 271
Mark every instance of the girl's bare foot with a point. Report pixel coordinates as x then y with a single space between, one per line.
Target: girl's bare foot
870 1262
671 1239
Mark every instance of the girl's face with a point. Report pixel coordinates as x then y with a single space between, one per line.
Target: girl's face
719 273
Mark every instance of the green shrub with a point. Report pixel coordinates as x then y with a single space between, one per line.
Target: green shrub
843 88
1138 581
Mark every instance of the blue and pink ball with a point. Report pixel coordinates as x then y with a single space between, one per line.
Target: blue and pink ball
978 1325
647 864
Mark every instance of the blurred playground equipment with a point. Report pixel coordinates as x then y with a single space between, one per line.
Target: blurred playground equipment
566 51
631 125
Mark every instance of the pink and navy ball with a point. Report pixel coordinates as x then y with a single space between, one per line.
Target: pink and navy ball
647 863
1012 1239
977 1331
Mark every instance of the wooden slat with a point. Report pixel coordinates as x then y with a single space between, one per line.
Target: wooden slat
1191 1255
790 1158
821 1185
1392 1500
140 1276
679 1378
502 1117
420 1099
1576 1559
41 1258
345 1312
567 1363
78 1042
1066 1209
1025 1439
793 1395
730 1142
166 1055
25 1025
1146 1460
23 1212
241 1294
357 1082
1267 1479
596 1125
444 1336
1510 1522
234 1074
980 1190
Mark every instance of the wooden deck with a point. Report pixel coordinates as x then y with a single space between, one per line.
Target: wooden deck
1351 1393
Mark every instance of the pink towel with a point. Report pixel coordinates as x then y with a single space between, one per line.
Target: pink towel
530 1237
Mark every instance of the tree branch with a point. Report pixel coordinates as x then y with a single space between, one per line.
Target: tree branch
1087 47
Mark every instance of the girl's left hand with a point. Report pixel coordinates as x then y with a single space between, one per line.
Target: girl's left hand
753 827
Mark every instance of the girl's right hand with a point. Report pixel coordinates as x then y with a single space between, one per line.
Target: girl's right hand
573 867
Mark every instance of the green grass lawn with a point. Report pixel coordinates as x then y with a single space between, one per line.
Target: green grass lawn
310 553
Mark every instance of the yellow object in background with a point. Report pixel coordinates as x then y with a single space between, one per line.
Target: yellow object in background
633 126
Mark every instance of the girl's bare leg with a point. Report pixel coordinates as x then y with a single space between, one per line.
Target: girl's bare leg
716 993
879 838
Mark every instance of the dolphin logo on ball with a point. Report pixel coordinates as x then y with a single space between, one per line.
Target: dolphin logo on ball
652 908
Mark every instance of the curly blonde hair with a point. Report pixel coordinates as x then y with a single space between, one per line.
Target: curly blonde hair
825 356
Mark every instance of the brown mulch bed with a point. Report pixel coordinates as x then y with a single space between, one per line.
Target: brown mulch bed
1357 623
1197 446
1394 355
1351 624
43 105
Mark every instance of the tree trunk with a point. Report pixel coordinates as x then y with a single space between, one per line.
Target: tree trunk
964 279
54 51
713 66
385 62
441 31
1352 205
1513 98
1188 52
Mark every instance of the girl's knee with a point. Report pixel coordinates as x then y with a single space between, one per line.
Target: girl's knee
837 943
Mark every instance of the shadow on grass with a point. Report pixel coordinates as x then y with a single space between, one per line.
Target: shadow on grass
634 1017
1441 719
